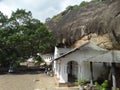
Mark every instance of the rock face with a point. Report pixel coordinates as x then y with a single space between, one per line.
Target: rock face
97 22
102 41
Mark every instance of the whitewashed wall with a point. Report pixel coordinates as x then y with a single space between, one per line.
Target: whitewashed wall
83 67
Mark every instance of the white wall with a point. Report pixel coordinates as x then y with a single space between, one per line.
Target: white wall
63 74
84 67
55 67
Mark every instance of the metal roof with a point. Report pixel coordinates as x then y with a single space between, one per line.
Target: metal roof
85 45
111 56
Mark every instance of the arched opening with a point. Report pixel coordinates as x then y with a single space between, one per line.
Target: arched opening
72 69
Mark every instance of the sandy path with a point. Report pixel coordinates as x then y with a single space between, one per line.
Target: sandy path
45 83
17 82
29 82
26 82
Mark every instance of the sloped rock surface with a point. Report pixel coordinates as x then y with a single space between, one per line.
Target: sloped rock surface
99 22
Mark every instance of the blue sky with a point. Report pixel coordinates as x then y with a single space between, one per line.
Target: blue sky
41 9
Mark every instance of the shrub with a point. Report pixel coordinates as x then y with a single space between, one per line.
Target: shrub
80 81
103 86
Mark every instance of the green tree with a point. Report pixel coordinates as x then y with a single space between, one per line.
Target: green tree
3 19
23 36
83 3
69 8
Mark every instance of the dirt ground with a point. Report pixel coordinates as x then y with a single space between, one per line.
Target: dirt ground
28 82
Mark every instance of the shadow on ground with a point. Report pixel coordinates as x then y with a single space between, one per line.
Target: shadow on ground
22 70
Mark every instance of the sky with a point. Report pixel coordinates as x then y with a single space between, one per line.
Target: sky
41 9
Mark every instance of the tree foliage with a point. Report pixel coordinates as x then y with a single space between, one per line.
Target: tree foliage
22 36
83 3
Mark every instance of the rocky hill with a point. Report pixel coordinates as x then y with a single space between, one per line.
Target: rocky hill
97 22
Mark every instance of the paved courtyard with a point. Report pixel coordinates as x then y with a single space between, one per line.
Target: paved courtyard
28 82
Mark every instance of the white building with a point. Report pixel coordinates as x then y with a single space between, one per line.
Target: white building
48 58
72 64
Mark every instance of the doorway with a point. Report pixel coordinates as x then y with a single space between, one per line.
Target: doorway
72 69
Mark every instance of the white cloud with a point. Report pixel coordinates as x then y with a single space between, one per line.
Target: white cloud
41 9
5 9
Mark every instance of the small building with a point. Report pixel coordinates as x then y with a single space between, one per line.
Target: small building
31 62
72 64
48 58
